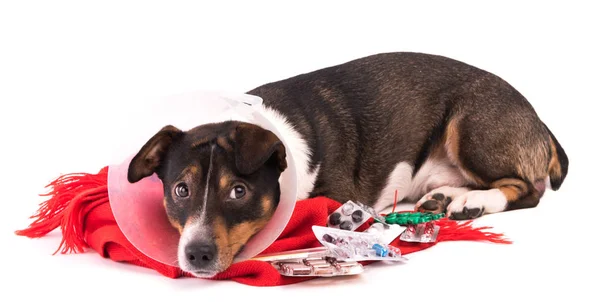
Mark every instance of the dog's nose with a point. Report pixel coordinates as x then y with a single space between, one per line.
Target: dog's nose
200 254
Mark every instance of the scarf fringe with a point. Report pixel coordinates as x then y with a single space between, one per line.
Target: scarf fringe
453 230
68 196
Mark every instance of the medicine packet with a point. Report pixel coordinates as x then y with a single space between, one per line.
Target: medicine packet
312 262
356 246
423 233
349 216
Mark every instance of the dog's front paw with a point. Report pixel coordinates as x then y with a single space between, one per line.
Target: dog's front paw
435 203
476 203
466 213
438 200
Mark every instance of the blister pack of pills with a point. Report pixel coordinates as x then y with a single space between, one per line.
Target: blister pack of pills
317 267
386 232
423 233
356 246
318 262
351 215
315 252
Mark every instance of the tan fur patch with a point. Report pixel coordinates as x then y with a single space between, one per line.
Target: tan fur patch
224 143
451 141
532 161
201 141
230 241
554 168
513 189
189 170
224 181
267 205
239 235
225 257
511 193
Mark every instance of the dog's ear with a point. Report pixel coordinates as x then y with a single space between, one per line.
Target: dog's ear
149 158
255 146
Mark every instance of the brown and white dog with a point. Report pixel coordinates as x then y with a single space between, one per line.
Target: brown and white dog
416 123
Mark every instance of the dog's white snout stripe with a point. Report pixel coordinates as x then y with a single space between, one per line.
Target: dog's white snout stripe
205 201
196 228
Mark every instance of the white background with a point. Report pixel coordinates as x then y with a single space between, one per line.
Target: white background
67 69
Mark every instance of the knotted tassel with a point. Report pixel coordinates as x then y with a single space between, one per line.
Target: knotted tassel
71 197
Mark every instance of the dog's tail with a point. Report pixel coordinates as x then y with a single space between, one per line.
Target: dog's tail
559 162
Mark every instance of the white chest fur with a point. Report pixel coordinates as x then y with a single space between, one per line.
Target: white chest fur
299 149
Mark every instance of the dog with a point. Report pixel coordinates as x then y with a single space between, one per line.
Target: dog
443 134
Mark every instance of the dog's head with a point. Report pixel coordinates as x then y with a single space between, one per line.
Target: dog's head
221 187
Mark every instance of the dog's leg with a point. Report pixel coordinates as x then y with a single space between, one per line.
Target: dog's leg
505 194
503 151
463 203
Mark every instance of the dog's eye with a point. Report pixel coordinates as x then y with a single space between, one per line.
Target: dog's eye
237 192
182 190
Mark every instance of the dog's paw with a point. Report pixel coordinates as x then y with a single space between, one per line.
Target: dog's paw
474 204
466 213
437 200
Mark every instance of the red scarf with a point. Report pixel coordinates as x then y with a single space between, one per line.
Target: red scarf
79 205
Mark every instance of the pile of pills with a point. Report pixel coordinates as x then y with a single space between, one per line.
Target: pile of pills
343 248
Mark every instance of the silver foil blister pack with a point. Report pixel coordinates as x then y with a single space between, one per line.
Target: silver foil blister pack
313 262
350 216
356 246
